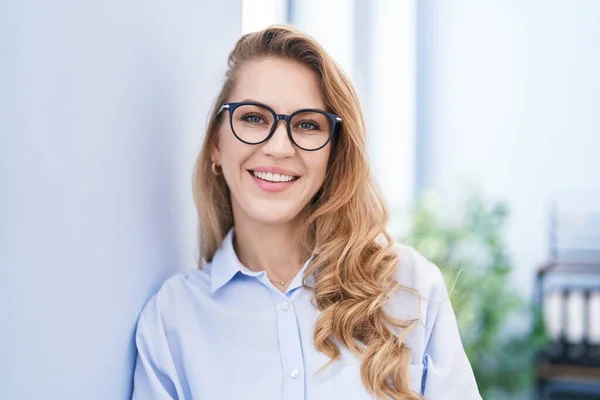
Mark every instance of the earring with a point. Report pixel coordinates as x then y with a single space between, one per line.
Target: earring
214 169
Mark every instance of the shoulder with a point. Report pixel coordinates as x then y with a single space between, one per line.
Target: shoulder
176 293
423 288
422 292
416 272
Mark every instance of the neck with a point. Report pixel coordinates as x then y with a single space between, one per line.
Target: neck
271 248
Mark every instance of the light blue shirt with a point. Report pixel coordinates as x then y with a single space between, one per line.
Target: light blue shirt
225 332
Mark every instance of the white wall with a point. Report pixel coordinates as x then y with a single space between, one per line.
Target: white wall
102 109
509 95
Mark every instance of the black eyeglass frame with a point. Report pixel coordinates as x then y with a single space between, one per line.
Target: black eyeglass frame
335 119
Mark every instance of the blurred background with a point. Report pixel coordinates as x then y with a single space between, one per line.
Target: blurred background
483 130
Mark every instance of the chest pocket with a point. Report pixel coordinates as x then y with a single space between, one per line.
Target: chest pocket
348 383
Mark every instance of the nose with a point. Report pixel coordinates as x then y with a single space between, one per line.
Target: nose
279 144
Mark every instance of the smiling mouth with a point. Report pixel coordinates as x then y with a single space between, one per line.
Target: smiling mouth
274 178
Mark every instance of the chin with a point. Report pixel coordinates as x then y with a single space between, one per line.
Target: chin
272 215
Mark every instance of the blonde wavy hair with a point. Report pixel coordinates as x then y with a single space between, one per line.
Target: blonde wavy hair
353 264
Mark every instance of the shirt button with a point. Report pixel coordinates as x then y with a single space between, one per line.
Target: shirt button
285 306
295 374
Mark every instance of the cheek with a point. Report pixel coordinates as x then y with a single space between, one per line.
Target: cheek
317 165
232 152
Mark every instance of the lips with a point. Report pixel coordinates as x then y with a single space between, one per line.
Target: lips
266 181
275 169
273 177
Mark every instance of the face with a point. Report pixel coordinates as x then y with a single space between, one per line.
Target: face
249 170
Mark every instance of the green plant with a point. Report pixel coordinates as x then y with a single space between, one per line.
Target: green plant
468 247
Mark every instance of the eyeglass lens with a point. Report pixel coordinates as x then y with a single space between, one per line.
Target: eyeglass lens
253 123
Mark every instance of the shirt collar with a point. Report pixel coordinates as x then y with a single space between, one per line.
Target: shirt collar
226 264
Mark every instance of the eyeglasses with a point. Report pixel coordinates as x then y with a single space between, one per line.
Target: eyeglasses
254 123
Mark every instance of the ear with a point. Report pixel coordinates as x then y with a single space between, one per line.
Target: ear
215 152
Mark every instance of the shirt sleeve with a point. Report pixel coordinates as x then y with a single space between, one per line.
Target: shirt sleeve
152 378
448 373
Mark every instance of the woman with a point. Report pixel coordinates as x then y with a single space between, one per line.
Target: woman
300 293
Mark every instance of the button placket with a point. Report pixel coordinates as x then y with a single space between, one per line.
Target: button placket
291 348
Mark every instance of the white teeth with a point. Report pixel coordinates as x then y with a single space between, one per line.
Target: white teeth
268 176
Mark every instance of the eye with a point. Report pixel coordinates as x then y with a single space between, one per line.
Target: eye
308 125
252 118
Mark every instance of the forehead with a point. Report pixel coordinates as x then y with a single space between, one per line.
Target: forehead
284 85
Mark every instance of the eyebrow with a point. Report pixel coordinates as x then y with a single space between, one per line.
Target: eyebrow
268 105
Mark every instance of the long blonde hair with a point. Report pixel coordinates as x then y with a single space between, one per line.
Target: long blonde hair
353 265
